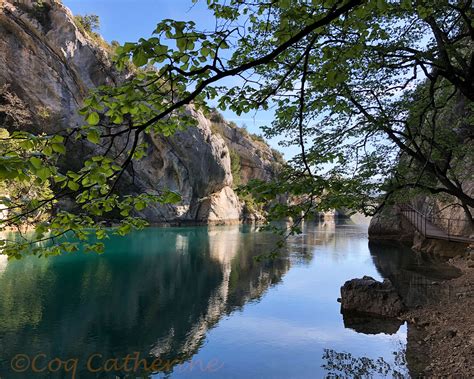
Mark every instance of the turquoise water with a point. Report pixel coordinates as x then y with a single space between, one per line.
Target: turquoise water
194 302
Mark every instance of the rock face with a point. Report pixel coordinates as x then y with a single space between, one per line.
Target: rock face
369 296
48 63
257 160
388 225
444 211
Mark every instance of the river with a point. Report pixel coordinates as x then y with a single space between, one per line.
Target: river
194 303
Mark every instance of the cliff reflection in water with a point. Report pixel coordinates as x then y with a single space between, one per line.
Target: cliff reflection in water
157 293
192 295
416 276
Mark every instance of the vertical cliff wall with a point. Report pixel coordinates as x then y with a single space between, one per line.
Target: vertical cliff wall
50 64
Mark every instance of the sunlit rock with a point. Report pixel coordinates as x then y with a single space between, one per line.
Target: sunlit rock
369 296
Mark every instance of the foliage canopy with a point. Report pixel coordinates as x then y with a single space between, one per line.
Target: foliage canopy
366 89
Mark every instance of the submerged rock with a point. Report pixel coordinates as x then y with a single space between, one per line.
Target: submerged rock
370 296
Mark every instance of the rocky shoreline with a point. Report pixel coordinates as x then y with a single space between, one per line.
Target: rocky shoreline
442 341
440 338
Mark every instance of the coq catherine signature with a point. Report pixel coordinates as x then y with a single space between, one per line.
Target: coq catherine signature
97 363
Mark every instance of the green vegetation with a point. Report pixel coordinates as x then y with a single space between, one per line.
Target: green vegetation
235 167
44 113
278 157
216 129
357 86
38 10
215 116
89 25
258 137
251 206
19 191
217 120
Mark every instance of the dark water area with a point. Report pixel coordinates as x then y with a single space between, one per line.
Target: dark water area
193 302
416 276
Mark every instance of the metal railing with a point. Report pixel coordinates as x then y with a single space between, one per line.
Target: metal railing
416 218
433 226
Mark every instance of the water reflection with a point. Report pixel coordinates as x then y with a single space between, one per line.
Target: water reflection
416 276
157 293
368 324
345 365
162 293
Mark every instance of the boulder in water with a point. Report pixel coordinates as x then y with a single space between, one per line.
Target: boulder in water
370 296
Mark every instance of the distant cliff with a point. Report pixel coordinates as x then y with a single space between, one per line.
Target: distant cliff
48 63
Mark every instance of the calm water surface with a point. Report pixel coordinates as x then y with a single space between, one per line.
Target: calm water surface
195 298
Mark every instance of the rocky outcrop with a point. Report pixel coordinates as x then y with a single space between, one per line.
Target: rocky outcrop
389 225
50 64
256 159
369 296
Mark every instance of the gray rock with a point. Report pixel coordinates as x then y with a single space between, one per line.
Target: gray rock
256 157
389 225
51 65
369 296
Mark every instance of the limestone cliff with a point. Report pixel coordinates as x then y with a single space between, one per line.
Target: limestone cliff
50 65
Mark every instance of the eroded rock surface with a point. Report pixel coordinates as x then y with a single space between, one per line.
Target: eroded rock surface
369 296
389 225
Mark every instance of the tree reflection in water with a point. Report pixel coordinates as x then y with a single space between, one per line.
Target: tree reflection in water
415 277
345 365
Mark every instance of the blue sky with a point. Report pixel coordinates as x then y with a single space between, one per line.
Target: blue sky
129 20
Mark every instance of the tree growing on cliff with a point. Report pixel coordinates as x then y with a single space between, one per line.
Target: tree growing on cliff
357 85
89 23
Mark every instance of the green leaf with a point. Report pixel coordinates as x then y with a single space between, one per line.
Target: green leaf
382 5
58 148
139 58
73 186
181 44
43 173
284 4
36 162
93 136
57 139
171 198
93 118
140 205
48 151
